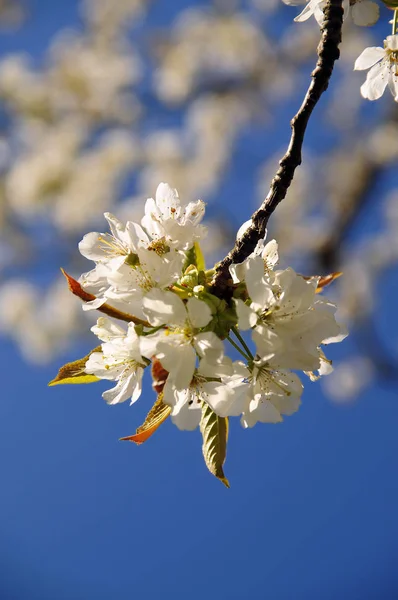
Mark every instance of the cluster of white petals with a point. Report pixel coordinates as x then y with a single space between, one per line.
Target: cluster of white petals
289 323
119 360
131 261
363 12
150 272
381 62
383 69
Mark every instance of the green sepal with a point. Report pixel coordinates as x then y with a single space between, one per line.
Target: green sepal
224 315
74 372
240 291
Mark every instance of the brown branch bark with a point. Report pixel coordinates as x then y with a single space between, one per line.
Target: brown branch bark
328 53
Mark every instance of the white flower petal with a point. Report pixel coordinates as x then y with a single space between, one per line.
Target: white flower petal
93 246
260 290
393 83
209 344
368 58
338 337
162 307
392 42
260 410
308 11
115 225
287 384
376 82
237 272
137 388
294 2
287 405
199 312
152 220
188 418
268 343
136 236
216 368
149 344
270 254
227 399
127 386
106 330
167 200
326 366
97 366
180 362
247 317
195 211
93 304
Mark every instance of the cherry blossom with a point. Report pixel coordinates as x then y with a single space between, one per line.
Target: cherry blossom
363 12
120 360
383 65
168 218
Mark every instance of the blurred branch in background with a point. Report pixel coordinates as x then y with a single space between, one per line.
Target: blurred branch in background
12 13
114 106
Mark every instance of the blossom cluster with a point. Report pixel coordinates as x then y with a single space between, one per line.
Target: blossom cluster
382 62
152 276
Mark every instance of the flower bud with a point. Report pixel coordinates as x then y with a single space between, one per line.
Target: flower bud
190 279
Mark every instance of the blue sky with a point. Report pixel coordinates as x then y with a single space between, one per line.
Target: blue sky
311 513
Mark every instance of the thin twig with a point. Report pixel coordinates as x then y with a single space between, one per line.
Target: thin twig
328 53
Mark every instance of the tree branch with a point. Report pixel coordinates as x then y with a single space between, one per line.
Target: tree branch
328 53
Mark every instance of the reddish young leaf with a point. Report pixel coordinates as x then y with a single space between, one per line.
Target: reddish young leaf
78 291
327 280
158 413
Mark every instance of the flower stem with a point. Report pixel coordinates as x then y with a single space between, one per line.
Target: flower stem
182 292
238 349
395 22
242 341
153 330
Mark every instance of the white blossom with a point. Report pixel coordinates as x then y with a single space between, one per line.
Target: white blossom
288 319
168 218
217 381
178 345
363 12
272 393
120 360
383 65
113 248
128 265
267 252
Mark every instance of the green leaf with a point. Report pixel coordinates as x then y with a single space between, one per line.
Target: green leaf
200 259
195 257
215 436
73 372
156 416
